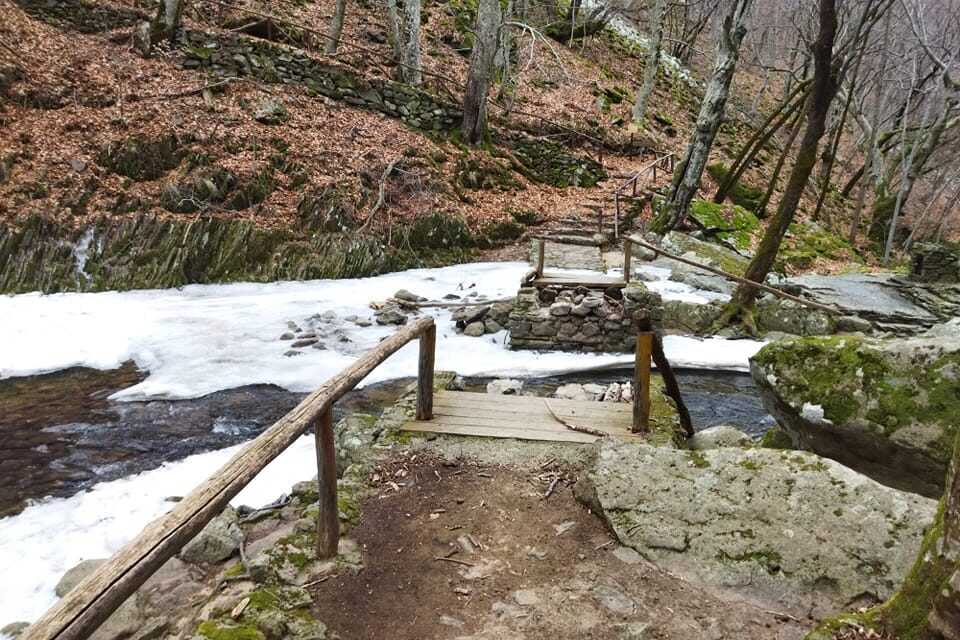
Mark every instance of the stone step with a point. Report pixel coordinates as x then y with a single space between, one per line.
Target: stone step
578 240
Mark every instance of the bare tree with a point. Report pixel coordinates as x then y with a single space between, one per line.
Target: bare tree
163 27
818 105
485 46
336 28
404 22
652 64
686 179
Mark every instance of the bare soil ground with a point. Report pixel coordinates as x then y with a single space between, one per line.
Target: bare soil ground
463 550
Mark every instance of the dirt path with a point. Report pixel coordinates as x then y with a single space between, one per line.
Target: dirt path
516 566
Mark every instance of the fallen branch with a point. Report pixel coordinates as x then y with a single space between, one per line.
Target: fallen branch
573 427
453 560
553 485
381 198
189 92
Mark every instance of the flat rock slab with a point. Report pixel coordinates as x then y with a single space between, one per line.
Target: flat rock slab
799 532
868 295
569 256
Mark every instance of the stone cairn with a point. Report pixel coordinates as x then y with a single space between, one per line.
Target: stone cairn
581 319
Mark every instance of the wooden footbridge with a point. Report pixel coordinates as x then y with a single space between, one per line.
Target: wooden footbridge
81 611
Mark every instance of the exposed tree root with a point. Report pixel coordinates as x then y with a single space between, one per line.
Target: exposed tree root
737 313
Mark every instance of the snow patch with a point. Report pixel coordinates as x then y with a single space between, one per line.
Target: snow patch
813 413
205 338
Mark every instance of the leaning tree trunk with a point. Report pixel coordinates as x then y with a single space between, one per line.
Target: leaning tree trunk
485 44
822 93
336 28
404 18
652 65
163 27
686 180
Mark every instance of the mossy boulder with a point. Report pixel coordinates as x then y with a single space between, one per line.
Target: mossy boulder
786 316
206 186
477 173
806 242
730 223
887 408
550 163
705 252
798 532
740 194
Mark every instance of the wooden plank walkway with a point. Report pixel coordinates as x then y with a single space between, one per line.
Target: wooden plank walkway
523 417
590 282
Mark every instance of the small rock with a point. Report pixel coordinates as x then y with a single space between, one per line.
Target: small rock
560 308
492 326
362 322
563 527
505 386
270 111
287 336
526 597
474 329
14 629
853 324
466 315
218 541
721 435
504 610
390 315
77 165
614 599
76 574
309 342
408 296
293 352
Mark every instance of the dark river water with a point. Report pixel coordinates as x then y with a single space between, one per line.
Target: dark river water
59 434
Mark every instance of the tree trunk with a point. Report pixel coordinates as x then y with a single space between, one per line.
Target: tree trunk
404 18
474 125
163 27
686 180
336 28
652 64
824 89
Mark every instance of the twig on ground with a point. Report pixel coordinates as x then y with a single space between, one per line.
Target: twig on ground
573 427
454 560
553 485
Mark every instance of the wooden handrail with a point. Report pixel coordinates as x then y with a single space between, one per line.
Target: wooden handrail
90 603
666 160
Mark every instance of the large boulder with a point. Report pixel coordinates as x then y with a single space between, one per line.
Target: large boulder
122 623
887 408
793 530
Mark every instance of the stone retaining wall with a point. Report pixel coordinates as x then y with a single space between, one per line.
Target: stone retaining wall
934 263
580 319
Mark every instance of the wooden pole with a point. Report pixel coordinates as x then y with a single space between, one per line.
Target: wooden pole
627 251
541 250
328 518
80 612
428 347
641 383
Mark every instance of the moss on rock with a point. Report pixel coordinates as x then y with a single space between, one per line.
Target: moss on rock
142 159
740 194
550 163
805 242
730 223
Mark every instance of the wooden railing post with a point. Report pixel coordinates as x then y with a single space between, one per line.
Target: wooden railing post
328 518
627 256
541 251
641 382
428 346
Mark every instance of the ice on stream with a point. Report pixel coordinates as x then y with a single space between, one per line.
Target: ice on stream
205 338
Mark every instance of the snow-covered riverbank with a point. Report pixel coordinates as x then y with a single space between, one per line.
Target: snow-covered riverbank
202 339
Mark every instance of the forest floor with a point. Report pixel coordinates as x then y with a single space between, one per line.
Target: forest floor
476 551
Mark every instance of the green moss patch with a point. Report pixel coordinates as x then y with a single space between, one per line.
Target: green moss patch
217 630
805 242
740 194
731 223
478 173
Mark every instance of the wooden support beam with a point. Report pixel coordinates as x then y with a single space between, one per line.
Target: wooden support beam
641 382
541 250
627 255
428 347
86 606
328 518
